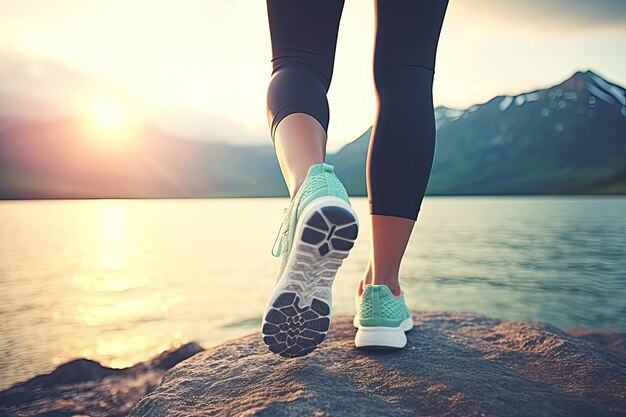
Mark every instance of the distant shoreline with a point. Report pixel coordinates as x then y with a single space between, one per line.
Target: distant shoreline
616 195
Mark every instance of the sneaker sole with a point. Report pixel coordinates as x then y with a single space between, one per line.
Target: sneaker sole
382 337
297 317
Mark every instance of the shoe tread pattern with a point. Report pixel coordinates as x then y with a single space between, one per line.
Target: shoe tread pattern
299 318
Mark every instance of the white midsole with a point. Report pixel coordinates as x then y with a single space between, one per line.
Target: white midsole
382 336
321 282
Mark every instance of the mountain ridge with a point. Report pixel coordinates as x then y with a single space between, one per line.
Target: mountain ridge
564 139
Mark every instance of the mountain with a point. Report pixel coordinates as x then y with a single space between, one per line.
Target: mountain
566 139
60 160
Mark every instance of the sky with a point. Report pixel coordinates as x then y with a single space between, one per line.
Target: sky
200 68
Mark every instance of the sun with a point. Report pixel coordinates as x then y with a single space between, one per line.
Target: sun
108 116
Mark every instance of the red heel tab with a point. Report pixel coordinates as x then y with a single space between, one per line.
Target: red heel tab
360 290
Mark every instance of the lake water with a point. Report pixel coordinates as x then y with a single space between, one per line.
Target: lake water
119 281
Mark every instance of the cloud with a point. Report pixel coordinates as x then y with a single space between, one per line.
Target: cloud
42 88
595 13
202 125
549 15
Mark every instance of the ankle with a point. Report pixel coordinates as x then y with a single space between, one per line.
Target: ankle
389 277
393 286
296 185
297 180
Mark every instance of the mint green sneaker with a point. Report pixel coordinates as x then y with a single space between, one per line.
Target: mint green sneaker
318 230
381 318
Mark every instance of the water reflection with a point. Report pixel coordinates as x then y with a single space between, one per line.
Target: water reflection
120 281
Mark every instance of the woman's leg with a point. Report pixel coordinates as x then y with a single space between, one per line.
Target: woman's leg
304 39
403 138
300 142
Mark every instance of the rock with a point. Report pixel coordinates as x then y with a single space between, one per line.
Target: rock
614 342
455 364
79 370
84 387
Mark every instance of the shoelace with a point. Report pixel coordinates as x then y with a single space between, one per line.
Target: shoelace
286 218
281 234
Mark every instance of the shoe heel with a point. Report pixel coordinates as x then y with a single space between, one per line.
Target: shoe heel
380 338
331 226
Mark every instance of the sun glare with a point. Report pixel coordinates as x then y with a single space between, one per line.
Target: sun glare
107 115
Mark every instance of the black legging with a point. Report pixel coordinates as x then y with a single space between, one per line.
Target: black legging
304 39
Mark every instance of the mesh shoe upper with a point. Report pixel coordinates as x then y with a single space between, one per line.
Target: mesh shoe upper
378 306
320 181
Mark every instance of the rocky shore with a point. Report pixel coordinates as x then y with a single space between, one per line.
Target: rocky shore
455 364
85 388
